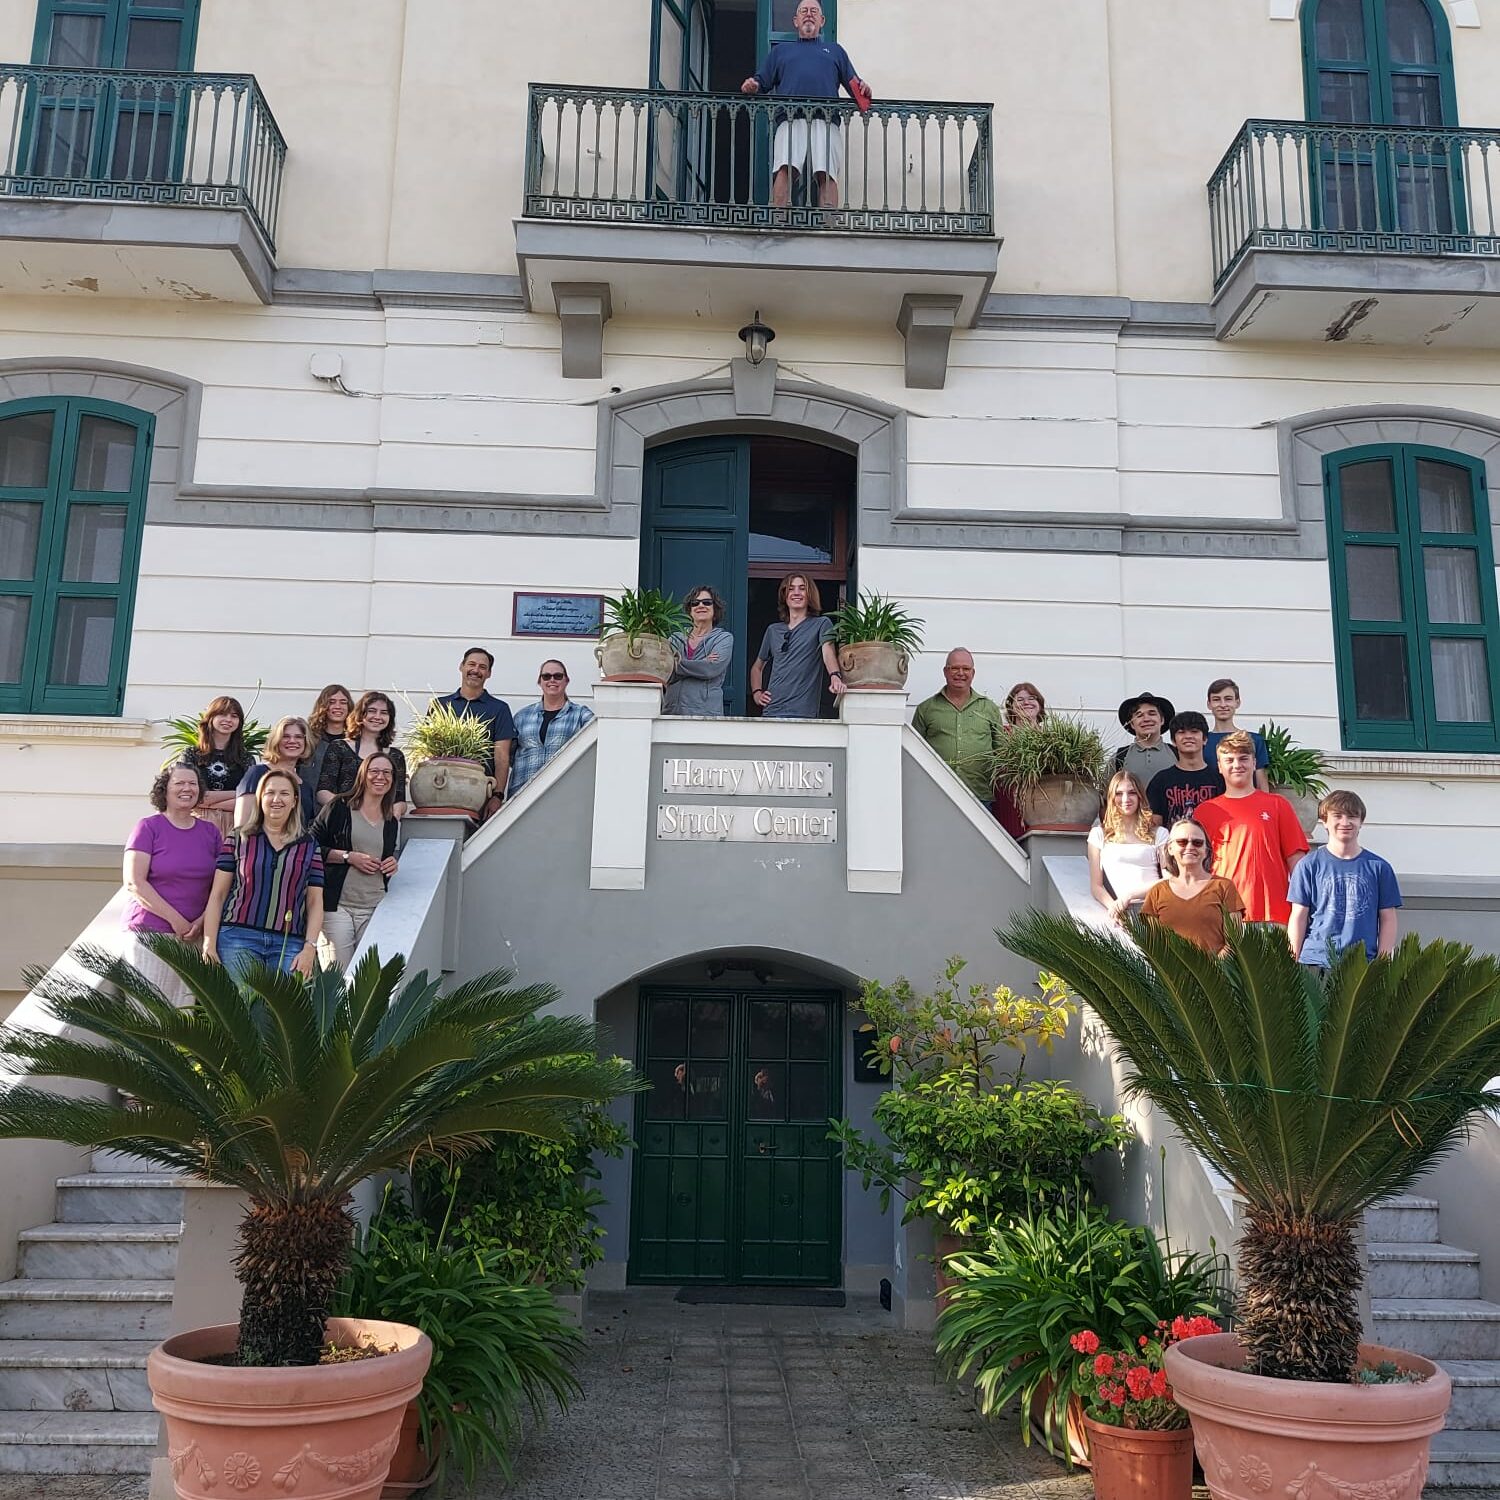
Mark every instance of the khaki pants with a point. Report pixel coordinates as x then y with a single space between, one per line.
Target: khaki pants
136 953
342 930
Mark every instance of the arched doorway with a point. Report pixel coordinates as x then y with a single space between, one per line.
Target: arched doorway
739 512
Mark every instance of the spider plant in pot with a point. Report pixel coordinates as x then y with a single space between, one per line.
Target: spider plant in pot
294 1093
1318 1095
876 639
1296 772
1053 769
633 643
448 752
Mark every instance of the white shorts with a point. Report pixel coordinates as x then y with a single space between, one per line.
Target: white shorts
800 144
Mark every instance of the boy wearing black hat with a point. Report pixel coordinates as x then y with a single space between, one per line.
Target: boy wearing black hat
1145 716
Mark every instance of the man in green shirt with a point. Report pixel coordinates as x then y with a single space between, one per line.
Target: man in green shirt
961 725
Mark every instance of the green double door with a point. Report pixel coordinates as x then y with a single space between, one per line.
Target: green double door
736 1181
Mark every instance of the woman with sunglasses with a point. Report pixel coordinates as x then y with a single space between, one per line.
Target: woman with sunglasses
1193 901
542 729
704 651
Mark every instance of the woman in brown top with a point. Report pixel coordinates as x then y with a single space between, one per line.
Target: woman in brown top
1192 900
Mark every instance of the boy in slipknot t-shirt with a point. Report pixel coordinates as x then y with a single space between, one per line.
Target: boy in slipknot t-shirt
1176 792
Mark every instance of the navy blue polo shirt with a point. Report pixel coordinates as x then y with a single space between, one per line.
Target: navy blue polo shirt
805 70
493 712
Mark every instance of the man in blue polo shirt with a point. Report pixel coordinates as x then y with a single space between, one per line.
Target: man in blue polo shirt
472 699
807 68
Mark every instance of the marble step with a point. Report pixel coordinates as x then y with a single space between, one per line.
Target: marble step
1410 1220
1438 1327
74 1375
1476 1393
1464 1461
77 1442
1405 1269
85 1309
119 1161
120 1198
123 1252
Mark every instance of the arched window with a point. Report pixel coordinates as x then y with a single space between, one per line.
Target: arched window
73 474
1384 63
1416 629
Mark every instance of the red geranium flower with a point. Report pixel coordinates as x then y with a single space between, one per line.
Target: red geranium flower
1159 1386
1086 1342
1104 1364
1138 1382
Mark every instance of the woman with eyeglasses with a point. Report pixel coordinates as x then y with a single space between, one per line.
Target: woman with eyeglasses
704 651
1124 847
1024 706
371 726
357 834
1193 901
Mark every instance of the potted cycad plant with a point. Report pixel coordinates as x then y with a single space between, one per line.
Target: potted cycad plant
1317 1096
633 643
1296 772
294 1093
1053 768
876 639
447 752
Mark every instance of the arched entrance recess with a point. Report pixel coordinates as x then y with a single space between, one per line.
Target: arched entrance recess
738 512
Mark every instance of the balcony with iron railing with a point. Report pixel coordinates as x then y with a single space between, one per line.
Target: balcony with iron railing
1364 233
670 202
144 183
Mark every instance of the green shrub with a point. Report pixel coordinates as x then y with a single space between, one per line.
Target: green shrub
1296 768
639 612
1059 746
499 1348
527 1204
959 1140
875 618
1034 1282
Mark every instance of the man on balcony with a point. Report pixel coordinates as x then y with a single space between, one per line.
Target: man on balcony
807 68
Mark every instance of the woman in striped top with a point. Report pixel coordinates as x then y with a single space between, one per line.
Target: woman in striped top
267 896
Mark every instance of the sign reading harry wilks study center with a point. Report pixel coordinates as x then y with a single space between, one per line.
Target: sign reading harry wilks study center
747 824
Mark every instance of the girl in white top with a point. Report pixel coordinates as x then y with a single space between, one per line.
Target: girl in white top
1124 847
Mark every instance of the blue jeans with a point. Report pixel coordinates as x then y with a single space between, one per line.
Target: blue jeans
239 946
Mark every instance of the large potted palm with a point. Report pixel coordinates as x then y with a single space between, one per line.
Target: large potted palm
633 641
295 1092
1317 1097
876 641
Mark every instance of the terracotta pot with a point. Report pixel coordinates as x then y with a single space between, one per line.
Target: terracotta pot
1060 804
446 784
945 1245
1074 1431
873 664
310 1432
412 1468
1304 806
646 659
1259 1437
1130 1465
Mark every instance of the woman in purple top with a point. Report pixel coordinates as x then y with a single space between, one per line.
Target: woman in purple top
267 898
169 869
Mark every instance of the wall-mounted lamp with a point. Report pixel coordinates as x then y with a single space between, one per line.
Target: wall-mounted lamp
756 336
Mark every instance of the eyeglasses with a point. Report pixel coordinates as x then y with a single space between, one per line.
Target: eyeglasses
1189 844
700 603
553 677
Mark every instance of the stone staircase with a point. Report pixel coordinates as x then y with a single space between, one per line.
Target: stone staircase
92 1296
1424 1296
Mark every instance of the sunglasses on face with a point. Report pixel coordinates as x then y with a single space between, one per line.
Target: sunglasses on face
554 677
1189 844
700 603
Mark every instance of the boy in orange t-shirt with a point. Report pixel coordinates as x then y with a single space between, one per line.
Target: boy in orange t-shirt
1253 836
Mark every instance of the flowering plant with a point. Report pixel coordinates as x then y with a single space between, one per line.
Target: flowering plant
1128 1387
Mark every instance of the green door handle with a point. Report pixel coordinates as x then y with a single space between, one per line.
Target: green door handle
766 1148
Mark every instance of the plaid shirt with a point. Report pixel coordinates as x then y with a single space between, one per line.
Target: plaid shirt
531 752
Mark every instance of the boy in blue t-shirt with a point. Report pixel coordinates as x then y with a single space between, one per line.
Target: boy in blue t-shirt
1224 704
1342 894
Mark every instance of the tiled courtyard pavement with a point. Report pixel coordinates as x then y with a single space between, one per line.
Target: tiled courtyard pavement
747 1403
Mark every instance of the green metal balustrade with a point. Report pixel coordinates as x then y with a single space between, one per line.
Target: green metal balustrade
122 136
642 156
1354 189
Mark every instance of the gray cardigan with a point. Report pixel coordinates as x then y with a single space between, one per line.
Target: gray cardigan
697 686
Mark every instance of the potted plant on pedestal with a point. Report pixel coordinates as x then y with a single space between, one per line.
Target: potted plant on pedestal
1054 770
633 643
876 639
447 752
1317 1096
294 1092
1296 773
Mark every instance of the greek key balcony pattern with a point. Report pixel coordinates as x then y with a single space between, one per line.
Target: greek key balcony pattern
637 156
1354 189
112 135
